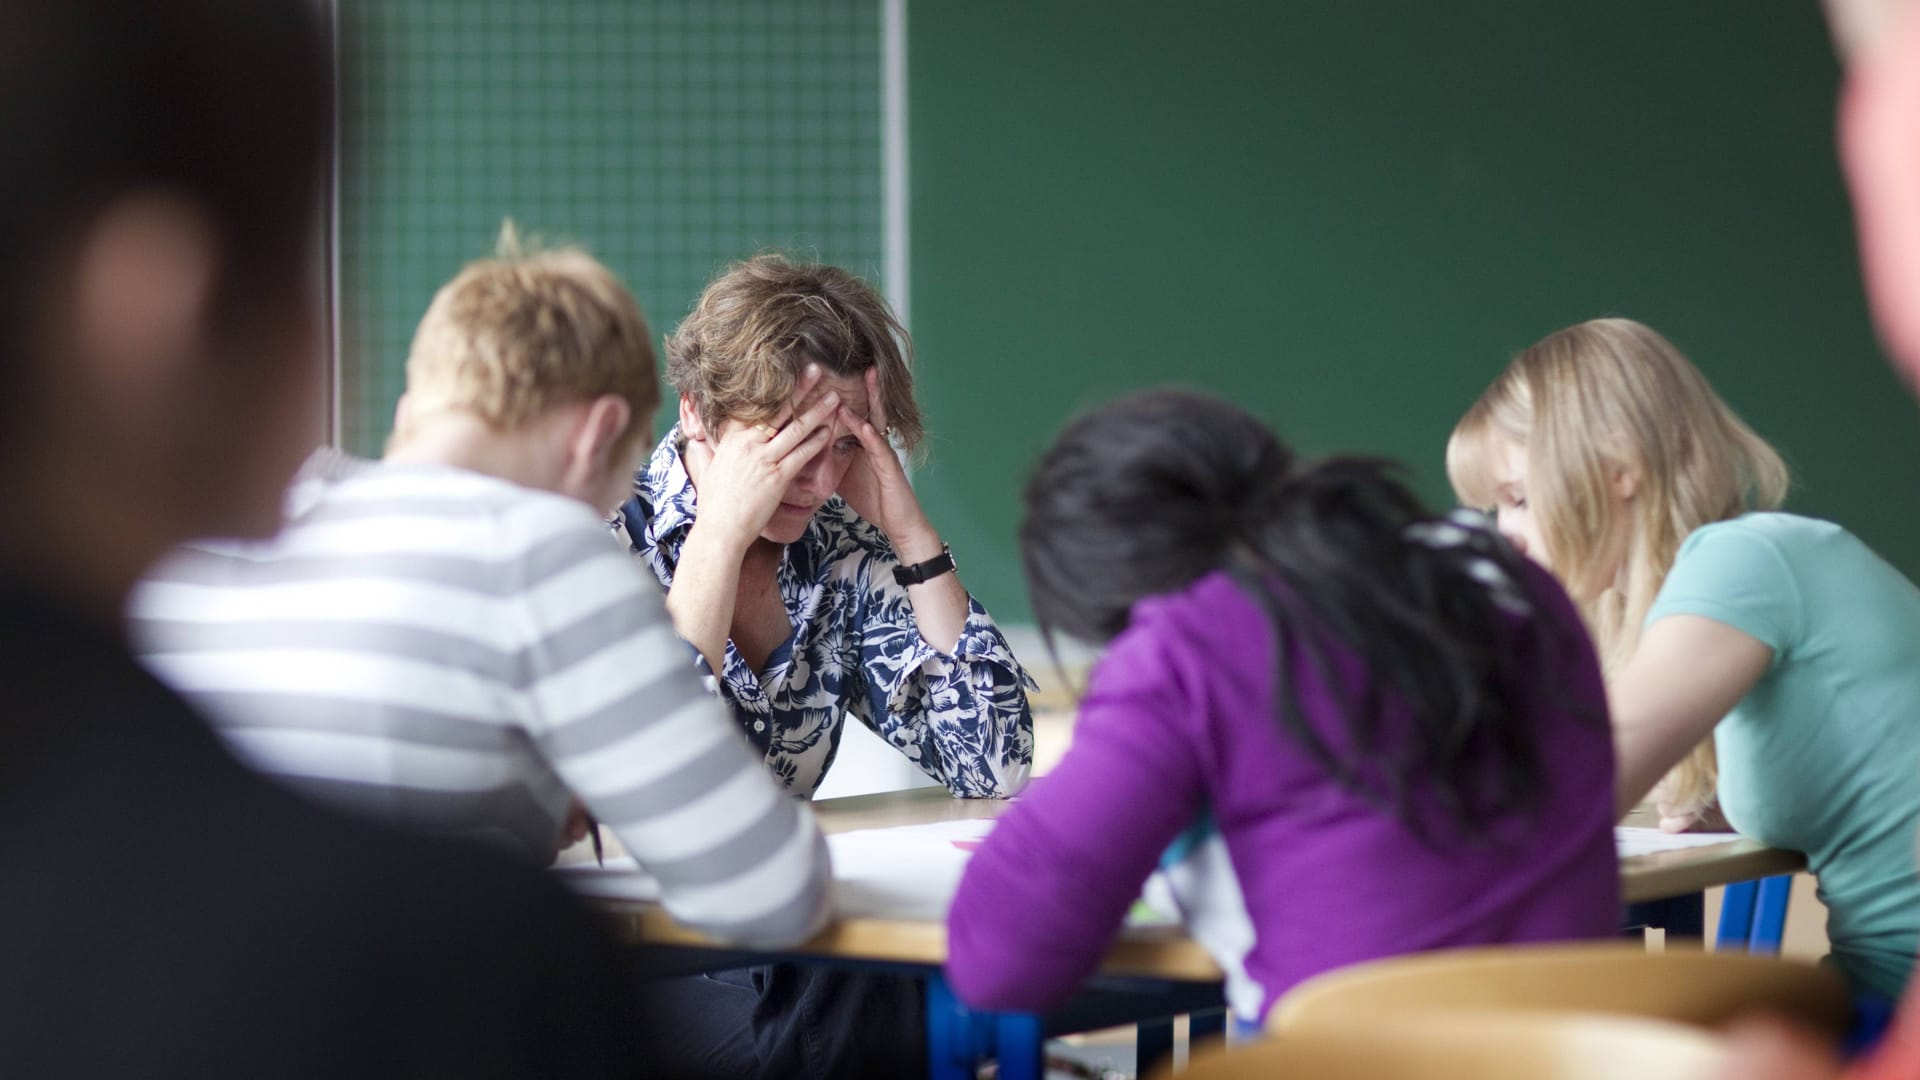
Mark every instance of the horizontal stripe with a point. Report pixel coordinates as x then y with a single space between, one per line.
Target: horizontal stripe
590 685
781 901
717 817
681 786
650 753
514 812
759 842
591 583
610 627
392 548
507 535
331 755
497 621
411 643
240 711
649 703
352 677
426 483
478 506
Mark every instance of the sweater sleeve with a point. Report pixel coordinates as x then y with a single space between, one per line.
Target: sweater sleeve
1043 898
629 727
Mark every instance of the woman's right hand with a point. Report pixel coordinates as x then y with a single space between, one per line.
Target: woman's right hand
740 475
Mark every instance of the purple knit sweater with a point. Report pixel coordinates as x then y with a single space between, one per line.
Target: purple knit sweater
1295 875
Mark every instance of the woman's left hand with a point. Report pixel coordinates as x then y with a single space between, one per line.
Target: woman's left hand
876 485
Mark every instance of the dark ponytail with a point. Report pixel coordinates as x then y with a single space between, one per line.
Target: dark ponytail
1156 490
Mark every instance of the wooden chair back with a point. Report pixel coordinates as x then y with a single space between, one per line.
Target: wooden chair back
1476 1046
1687 986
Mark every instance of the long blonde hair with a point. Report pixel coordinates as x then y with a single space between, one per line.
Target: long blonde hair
1593 402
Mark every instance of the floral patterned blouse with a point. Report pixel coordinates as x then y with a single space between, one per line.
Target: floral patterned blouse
963 719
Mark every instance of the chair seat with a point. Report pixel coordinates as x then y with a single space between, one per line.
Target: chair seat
1687 986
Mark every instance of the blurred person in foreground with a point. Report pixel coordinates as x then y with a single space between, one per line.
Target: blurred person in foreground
1879 129
166 912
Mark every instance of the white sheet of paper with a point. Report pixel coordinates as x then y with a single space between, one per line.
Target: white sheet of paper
1636 840
906 872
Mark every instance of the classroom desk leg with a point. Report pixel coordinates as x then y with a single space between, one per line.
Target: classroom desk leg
1686 916
1153 1044
1153 1039
1679 916
1205 1025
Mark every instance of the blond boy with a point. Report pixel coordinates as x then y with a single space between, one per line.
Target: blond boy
449 638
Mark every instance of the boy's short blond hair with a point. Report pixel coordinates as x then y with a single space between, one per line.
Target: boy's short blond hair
515 335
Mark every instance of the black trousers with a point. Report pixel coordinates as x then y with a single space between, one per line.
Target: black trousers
784 1021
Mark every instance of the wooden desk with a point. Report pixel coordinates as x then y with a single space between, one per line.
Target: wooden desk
1665 874
1158 952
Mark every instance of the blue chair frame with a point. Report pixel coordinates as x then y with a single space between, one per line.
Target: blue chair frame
1753 915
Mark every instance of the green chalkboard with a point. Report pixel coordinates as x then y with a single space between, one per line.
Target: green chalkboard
667 137
1348 215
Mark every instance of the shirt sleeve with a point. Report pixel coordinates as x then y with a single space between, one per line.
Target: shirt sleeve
1043 898
1734 574
962 718
628 726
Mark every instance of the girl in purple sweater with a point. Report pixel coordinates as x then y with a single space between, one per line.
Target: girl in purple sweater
1342 727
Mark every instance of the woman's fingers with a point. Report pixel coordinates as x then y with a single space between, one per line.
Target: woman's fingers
772 426
697 456
864 430
798 431
803 451
804 385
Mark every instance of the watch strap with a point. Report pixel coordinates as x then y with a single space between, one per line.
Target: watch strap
922 572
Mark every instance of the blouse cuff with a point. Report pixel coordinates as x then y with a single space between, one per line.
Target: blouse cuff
981 643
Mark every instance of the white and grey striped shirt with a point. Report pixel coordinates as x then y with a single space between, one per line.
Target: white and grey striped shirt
456 653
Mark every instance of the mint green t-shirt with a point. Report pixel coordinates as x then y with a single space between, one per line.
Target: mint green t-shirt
1823 754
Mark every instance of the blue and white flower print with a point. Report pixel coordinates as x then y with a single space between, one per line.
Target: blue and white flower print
963 719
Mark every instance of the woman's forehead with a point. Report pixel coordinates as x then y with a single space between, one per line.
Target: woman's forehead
851 388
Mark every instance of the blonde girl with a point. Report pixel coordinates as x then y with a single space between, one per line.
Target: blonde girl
1783 640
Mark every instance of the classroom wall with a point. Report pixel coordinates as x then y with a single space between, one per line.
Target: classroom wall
1347 216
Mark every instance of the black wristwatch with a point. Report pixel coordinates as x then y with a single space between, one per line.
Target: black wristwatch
926 571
